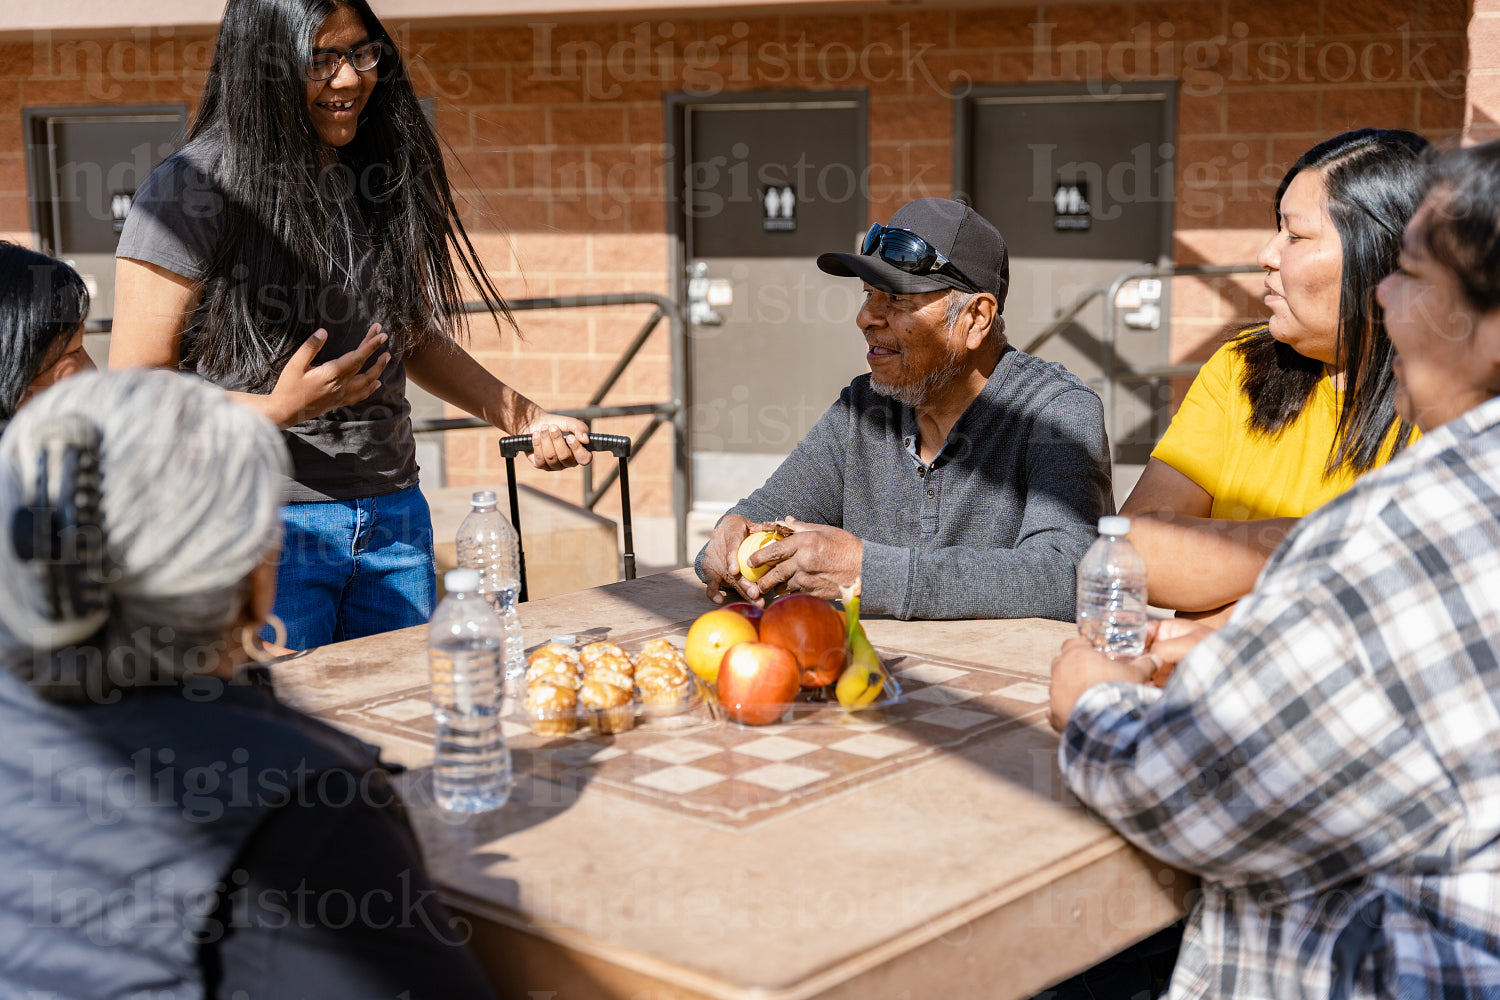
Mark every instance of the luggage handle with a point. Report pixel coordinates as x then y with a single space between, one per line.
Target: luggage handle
617 445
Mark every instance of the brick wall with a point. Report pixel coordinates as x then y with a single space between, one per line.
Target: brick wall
559 130
1482 116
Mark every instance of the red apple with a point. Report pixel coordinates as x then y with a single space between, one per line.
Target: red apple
812 631
748 610
756 682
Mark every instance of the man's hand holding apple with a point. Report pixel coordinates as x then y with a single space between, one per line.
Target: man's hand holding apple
815 559
721 565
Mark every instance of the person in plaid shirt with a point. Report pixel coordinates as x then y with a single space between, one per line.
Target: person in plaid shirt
1329 761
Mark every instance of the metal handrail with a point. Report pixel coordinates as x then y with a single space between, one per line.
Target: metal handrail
1061 320
673 411
1107 349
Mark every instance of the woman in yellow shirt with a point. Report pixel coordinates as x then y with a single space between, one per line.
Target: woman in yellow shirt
1286 415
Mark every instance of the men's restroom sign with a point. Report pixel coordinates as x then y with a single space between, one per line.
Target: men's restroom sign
1071 205
779 213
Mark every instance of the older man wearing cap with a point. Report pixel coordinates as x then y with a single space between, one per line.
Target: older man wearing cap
960 478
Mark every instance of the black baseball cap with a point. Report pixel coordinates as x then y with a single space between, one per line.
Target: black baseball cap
953 229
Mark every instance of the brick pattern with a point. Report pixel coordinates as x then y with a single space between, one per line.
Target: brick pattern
1482 110
558 139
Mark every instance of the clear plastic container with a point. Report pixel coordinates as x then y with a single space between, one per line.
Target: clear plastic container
471 765
557 665
1112 592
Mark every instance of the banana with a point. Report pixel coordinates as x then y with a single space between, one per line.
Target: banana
865 677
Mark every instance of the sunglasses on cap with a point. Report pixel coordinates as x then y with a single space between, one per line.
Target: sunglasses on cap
906 251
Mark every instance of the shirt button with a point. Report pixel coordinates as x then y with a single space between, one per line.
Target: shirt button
930 493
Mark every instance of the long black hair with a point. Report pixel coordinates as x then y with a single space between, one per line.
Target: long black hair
1463 234
1372 180
43 302
286 232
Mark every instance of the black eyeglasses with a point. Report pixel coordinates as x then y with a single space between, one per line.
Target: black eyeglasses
906 251
325 65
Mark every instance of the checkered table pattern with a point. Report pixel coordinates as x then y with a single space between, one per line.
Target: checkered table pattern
734 776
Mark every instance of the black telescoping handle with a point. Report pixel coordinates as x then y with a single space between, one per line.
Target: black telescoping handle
616 444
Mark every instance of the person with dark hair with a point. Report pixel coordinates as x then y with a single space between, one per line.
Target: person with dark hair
306 225
172 829
1289 413
43 303
1327 760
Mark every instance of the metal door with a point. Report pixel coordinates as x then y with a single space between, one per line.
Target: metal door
1080 185
85 168
766 186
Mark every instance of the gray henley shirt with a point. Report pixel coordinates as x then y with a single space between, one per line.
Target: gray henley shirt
994 527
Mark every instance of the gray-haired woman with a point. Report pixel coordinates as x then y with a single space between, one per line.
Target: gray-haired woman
170 829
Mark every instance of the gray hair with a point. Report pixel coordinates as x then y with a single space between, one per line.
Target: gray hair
958 301
190 493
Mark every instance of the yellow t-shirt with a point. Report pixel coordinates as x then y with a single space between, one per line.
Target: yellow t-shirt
1252 475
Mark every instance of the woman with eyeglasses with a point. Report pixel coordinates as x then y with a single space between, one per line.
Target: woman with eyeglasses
304 250
43 303
1289 413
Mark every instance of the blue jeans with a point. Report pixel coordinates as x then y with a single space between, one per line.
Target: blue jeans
351 568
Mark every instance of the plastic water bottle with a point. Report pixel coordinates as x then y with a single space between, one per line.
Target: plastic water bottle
1112 592
488 544
471 769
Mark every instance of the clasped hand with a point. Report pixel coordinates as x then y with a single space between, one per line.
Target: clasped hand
816 559
558 442
1079 666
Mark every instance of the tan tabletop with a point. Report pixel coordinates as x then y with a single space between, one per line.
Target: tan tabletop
926 852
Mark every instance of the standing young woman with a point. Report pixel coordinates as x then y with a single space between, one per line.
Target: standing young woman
311 199
1287 415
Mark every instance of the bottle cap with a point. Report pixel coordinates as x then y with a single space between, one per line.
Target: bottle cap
1114 525
464 581
483 498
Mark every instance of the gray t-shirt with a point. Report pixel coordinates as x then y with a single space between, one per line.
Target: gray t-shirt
994 527
355 451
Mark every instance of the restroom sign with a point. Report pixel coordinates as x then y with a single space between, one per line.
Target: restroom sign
119 208
1070 203
779 210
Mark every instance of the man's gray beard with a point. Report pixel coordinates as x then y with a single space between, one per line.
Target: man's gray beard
918 393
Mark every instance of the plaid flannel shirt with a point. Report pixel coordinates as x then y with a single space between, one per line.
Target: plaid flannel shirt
1329 761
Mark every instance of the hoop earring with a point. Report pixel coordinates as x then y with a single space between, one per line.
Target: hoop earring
250 641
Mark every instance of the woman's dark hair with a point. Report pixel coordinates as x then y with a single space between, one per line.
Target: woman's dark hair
43 302
286 232
1463 234
1373 183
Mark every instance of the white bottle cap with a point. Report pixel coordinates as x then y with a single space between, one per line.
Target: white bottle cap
1114 525
483 498
464 581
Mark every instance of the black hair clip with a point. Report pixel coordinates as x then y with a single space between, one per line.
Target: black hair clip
60 529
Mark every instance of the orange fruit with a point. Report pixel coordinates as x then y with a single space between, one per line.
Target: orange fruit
713 633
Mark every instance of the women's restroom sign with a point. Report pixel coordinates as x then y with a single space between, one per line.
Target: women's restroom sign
1070 202
780 210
